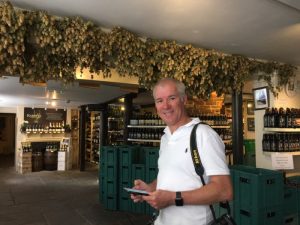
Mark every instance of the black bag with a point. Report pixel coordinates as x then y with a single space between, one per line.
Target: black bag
225 219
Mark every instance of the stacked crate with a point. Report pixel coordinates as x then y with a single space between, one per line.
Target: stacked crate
138 172
24 164
291 201
258 196
119 166
128 155
109 177
151 169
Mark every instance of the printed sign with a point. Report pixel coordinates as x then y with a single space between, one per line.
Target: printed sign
42 116
282 161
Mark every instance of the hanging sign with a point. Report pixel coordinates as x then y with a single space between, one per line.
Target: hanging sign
282 161
42 116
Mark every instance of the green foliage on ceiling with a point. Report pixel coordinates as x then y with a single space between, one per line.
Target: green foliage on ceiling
38 47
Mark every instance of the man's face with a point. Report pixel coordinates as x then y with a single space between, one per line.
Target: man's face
169 105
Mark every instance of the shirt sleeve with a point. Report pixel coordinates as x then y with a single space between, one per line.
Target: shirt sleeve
212 151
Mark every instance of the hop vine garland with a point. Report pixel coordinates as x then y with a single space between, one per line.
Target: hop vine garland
38 47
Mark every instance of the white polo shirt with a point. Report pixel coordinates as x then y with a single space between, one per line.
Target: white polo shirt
177 171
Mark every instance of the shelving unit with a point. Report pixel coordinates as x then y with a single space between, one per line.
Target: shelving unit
275 138
88 133
143 140
115 124
142 126
96 133
92 138
285 130
136 132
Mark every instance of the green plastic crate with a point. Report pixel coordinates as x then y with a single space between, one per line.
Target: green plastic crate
138 172
270 216
128 155
125 203
256 189
151 156
292 219
111 156
290 200
295 183
125 173
150 174
110 202
122 192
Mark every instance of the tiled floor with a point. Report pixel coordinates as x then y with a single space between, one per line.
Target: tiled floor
55 198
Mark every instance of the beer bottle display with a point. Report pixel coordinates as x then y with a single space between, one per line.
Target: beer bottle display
266 117
281 118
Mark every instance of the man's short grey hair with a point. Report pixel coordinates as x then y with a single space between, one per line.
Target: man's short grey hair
179 86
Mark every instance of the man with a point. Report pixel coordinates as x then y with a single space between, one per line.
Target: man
178 192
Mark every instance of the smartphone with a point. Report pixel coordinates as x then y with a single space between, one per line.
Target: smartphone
136 191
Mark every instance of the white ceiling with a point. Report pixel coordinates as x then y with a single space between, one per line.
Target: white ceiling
12 94
263 29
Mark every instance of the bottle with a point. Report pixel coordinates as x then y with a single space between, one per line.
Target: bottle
272 143
281 118
266 117
281 143
272 118
276 117
288 118
286 143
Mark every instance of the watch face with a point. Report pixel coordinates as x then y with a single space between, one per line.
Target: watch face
179 202
178 199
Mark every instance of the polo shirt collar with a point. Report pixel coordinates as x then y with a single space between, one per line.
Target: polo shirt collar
191 123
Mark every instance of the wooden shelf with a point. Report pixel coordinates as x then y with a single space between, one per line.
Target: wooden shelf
142 126
143 140
290 153
271 129
220 127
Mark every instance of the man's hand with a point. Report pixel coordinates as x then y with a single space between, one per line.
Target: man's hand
140 185
160 199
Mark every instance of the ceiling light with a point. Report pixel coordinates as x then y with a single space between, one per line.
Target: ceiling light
54 95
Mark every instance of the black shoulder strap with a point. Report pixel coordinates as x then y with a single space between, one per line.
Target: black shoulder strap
199 167
194 151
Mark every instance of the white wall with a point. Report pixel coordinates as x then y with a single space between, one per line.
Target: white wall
19 111
263 160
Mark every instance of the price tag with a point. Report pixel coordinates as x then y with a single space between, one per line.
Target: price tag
282 161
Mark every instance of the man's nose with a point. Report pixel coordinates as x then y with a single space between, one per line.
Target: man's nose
166 104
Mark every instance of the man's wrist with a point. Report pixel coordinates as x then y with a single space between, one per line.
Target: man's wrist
178 199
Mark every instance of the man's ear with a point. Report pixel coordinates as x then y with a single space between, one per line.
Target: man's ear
184 99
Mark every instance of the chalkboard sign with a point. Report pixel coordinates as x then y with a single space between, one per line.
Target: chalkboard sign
42 116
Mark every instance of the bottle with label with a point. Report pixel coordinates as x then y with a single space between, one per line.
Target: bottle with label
272 118
281 118
288 118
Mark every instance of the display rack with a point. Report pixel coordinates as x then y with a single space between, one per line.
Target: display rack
75 137
92 138
115 124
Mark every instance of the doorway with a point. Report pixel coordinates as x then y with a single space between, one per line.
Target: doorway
7 139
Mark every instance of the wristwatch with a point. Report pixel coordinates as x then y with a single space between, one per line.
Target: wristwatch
178 199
